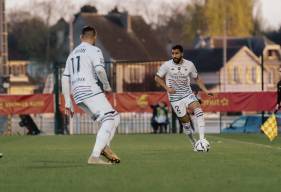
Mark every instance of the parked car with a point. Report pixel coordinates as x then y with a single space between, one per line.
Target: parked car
247 124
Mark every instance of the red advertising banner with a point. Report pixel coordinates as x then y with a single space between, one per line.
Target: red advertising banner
138 102
235 102
26 104
141 102
130 102
220 102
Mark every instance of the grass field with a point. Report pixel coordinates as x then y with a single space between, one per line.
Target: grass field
149 163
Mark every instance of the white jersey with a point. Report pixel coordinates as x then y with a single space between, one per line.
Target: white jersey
178 76
80 68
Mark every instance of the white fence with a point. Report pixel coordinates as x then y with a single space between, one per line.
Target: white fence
83 124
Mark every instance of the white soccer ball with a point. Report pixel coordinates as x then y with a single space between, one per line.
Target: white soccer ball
202 145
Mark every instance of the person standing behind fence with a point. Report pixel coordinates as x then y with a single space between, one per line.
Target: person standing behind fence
174 76
162 117
153 121
84 66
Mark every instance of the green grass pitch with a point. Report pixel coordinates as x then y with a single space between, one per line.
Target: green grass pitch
148 163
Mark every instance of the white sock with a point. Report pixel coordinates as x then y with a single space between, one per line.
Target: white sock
103 136
199 117
187 129
116 124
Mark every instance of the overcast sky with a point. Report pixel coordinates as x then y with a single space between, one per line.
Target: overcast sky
270 9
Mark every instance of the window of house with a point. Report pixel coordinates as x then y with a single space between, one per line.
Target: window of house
254 74
271 54
134 74
270 77
236 74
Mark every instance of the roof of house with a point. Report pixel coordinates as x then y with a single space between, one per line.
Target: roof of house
208 60
256 44
139 45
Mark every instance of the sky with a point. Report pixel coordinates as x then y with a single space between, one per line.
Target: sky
270 9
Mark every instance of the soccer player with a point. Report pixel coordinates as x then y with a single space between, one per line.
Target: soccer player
174 76
84 66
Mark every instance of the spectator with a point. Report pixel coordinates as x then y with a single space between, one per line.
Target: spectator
162 117
153 121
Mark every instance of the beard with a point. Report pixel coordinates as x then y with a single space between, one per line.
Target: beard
177 60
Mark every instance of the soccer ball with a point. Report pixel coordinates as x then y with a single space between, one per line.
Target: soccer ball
202 145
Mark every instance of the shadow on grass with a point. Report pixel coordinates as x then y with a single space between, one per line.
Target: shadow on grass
56 164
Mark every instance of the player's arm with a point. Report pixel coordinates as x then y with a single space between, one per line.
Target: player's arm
198 80
65 81
162 83
98 62
103 78
202 86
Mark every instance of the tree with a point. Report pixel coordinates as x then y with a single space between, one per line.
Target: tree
211 16
27 36
194 20
237 15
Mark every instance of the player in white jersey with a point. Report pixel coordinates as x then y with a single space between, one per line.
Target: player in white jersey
174 76
84 66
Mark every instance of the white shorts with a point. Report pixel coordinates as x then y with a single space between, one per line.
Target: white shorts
180 106
96 105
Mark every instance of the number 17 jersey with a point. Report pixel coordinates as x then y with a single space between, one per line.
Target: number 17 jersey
80 68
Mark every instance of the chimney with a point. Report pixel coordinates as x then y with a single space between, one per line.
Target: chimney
123 19
126 21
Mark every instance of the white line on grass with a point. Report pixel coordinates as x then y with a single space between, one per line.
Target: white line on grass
247 142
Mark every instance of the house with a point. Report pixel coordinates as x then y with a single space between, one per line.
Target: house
19 81
129 45
256 47
121 37
242 71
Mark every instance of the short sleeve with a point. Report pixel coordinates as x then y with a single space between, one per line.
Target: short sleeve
66 71
162 70
193 71
97 57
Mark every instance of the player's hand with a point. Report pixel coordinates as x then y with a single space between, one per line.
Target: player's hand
171 90
107 88
209 94
69 111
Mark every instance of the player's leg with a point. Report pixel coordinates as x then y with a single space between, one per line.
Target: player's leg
116 124
101 138
187 129
195 107
179 108
100 110
107 151
108 112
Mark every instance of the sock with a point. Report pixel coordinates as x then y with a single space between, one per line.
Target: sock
103 136
199 117
187 129
116 124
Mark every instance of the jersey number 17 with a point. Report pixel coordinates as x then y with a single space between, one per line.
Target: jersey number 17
75 63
